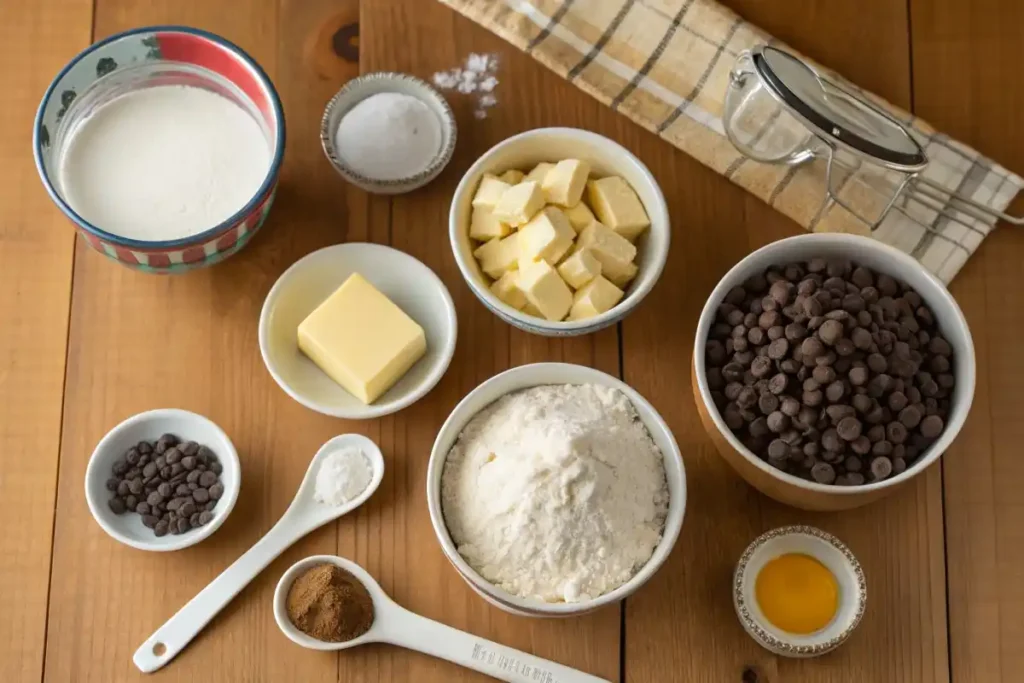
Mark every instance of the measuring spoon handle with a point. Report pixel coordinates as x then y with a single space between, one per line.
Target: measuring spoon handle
179 630
414 632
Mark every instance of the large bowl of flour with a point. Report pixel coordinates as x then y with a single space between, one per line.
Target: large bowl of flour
163 146
555 489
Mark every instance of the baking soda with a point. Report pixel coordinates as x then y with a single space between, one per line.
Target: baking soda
342 476
164 163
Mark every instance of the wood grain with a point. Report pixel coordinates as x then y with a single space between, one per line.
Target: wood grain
687 608
966 82
421 38
36 248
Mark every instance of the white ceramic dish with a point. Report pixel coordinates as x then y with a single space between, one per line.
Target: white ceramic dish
828 550
357 90
412 286
882 258
537 375
526 150
128 528
398 626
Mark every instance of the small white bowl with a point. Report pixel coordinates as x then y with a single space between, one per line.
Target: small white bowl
408 283
828 550
540 374
128 528
357 90
785 487
606 157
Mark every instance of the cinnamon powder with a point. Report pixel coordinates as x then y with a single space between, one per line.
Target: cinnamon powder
330 604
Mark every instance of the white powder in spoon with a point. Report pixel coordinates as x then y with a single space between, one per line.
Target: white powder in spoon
342 476
164 163
388 136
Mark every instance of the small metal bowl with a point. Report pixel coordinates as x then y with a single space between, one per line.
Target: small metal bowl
828 550
357 90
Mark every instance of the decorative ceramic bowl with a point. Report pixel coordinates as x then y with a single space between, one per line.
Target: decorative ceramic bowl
146 57
606 157
785 487
825 548
357 90
540 374
149 426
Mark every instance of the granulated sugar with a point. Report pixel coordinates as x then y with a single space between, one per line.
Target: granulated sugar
556 493
477 77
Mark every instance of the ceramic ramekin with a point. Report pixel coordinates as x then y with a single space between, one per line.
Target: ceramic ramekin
141 58
540 374
606 157
357 90
787 488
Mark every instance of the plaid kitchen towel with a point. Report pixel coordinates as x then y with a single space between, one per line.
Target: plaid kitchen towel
666 64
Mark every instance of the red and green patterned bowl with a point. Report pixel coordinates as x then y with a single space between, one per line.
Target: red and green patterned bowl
141 58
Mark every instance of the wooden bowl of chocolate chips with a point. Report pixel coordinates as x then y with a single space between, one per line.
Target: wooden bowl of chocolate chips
831 369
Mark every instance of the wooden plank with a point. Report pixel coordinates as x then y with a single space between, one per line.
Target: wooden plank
682 627
36 250
421 38
190 341
965 67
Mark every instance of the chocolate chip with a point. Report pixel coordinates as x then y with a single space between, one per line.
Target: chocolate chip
812 398
881 468
768 403
778 349
778 450
117 505
205 517
849 428
910 416
823 473
789 406
896 432
778 422
835 391
932 426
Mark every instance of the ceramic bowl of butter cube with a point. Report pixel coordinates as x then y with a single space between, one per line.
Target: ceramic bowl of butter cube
357 331
559 231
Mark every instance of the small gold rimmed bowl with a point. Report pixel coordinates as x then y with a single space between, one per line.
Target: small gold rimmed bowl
824 548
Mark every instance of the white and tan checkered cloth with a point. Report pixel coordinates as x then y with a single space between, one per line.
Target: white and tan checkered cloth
666 63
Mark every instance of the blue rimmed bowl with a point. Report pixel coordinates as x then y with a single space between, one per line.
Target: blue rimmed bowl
147 57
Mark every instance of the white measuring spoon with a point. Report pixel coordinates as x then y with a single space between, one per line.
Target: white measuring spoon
303 516
396 625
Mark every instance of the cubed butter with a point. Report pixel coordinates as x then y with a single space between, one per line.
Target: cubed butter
484 226
490 191
507 289
594 298
361 340
545 289
547 236
617 206
579 268
499 255
512 176
620 276
614 251
539 172
580 216
530 309
564 183
519 203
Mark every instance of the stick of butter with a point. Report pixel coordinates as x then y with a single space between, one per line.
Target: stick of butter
594 298
617 206
362 340
545 289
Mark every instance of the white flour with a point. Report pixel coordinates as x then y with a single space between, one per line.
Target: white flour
163 163
477 77
342 476
556 493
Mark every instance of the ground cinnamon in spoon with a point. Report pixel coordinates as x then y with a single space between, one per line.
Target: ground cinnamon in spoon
330 604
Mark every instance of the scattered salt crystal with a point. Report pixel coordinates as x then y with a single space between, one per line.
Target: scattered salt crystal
476 77
487 101
489 84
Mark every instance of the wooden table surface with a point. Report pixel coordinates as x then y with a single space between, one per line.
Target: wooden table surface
85 343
